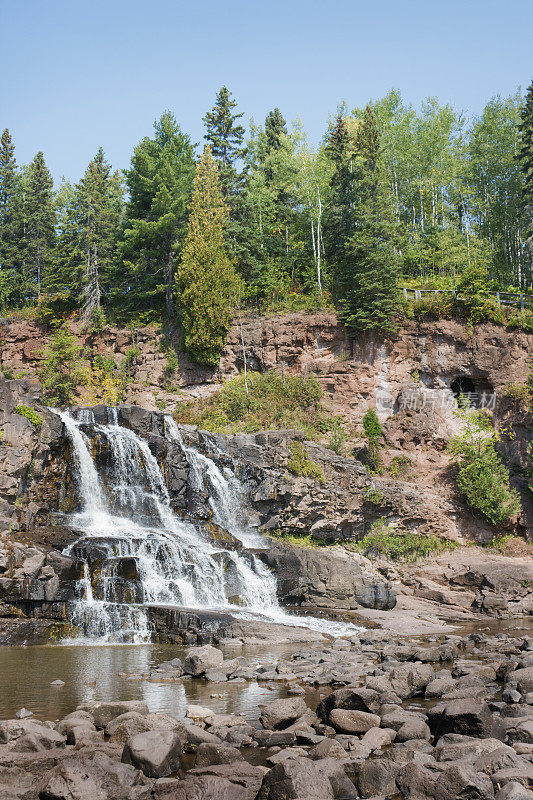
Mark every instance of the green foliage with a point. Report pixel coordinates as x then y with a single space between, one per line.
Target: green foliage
482 477
206 283
62 371
26 411
367 277
375 497
8 373
374 435
300 463
519 393
105 364
338 437
304 541
262 401
400 545
400 467
522 320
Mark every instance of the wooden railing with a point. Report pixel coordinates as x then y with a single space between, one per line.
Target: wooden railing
512 299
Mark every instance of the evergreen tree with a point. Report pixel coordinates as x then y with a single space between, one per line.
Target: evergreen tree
159 183
367 280
526 164
9 222
205 281
339 222
40 219
225 136
62 370
87 241
275 129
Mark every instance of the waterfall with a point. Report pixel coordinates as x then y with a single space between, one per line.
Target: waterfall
141 548
137 552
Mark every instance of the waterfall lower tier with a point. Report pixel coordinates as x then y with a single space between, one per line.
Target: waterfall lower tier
135 550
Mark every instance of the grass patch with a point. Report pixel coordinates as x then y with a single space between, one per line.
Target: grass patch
509 545
30 413
300 463
400 467
265 401
296 540
399 545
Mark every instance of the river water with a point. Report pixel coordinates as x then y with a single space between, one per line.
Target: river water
119 672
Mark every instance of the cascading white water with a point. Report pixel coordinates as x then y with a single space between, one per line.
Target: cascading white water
132 521
137 552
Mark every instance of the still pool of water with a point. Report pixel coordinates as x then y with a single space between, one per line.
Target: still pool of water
115 672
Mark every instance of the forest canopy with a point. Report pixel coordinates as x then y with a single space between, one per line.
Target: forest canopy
391 196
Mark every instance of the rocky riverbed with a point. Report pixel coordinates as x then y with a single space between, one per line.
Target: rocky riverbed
367 716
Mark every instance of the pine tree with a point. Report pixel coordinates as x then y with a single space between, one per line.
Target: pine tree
10 290
159 183
339 219
205 280
367 281
275 129
88 240
525 156
40 221
225 136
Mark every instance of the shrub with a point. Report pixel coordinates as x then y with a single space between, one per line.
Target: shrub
399 545
399 467
338 437
97 321
30 413
8 373
523 320
374 434
482 477
62 370
263 401
375 497
433 307
300 463
519 393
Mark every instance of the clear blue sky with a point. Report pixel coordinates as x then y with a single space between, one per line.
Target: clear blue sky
79 74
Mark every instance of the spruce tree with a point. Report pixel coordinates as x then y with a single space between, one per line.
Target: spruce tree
525 156
225 136
87 241
10 233
205 280
40 220
367 281
159 184
275 129
339 218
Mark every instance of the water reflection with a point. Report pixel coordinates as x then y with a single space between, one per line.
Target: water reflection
117 672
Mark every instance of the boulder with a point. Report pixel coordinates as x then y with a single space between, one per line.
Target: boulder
211 754
378 777
240 773
201 787
282 713
200 659
103 713
157 753
345 721
468 717
295 779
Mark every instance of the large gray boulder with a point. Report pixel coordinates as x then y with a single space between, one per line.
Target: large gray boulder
316 577
282 713
296 778
200 659
157 753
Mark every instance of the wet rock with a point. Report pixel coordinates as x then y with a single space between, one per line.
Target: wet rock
157 753
241 773
295 778
103 713
200 659
356 722
282 713
211 754
468 717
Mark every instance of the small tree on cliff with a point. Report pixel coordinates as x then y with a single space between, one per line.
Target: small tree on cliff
205 279
62 370
374 434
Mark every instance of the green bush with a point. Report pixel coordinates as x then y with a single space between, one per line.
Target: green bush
375 497
522 320
482 477
8 373
374 435
262 401
338 437
399 545
300 463
63 370
399 467
29 413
